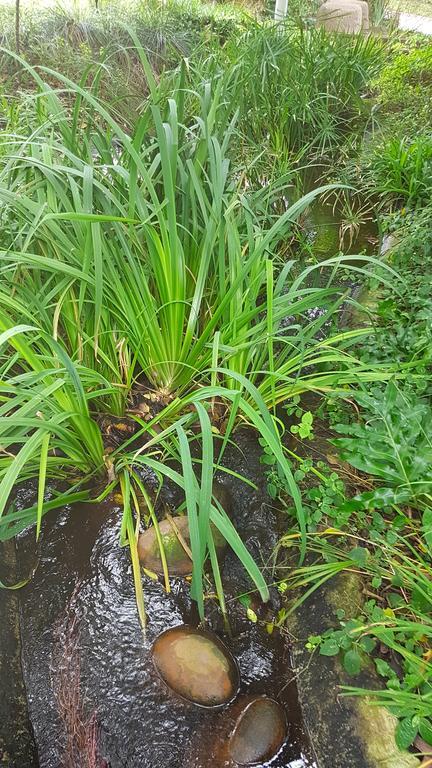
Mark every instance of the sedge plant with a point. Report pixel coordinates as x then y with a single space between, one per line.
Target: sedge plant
137 255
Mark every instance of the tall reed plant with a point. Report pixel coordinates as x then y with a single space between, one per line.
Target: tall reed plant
139 257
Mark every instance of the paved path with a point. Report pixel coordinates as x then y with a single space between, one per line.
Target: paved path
415 23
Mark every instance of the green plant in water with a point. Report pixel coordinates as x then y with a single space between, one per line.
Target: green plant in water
139 256
307 86
46 426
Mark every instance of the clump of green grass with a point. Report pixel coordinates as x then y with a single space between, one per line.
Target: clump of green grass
308 87
47 430
155 257
401 170
137 255
72 38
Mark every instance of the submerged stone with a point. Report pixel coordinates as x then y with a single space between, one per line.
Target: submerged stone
259 732
172 533
176 541
196 665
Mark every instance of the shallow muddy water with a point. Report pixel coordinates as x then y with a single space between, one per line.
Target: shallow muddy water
87 665
322 227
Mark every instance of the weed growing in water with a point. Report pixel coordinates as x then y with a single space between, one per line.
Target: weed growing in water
139 257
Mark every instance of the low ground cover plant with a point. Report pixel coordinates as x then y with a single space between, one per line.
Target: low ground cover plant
369 505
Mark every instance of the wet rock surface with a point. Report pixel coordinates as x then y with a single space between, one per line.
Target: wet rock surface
174 533
252 731
17 748
377 726
344 732
259 732
83 584
175 537
196 665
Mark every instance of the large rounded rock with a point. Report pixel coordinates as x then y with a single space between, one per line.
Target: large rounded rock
365 12
341 16
176 541
173 533
196 665
259 732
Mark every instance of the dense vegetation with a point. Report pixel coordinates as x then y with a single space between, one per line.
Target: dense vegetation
156 171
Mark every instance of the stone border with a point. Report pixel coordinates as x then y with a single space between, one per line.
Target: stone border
344 732
17 748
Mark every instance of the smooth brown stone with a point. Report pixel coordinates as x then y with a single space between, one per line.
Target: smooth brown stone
259 732
178 561
196 665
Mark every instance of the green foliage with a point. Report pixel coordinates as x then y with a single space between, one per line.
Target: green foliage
408 75
392 167
402 170
343 641
402 324
204 513
306 91
392 629
144 240
46 426
393 444
198 290
404 88
71 38
305 428
139 255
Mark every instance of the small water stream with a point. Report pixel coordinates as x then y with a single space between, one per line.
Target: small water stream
85 657
94 697
323 229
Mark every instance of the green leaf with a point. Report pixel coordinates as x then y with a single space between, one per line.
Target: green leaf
405 733
17 465
245 600
384 669
359 555
352 662
368 644
14 586
192 504
42 478
329 647
425 730
427 528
